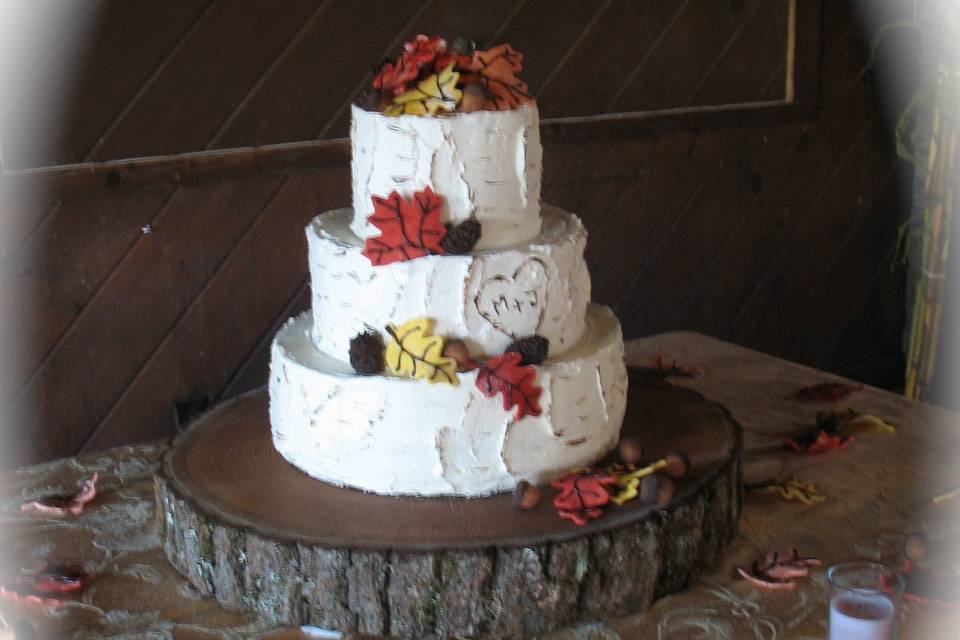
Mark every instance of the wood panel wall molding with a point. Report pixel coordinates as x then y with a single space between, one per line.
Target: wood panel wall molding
183 169
795 100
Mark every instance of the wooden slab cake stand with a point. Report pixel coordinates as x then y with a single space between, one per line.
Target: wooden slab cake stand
249 529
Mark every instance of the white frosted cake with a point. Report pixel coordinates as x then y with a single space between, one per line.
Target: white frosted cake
451 348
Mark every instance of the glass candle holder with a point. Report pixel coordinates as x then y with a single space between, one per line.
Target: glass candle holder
865 601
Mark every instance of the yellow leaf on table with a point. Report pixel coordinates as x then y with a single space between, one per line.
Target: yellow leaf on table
794 489
414 353
851 421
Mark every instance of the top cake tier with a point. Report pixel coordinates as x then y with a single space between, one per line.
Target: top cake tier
484 165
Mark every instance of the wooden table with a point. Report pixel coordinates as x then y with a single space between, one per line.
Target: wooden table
878 489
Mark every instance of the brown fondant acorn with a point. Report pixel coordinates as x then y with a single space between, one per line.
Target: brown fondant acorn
366 352
656 489
631 450
457 349
526 495
534 349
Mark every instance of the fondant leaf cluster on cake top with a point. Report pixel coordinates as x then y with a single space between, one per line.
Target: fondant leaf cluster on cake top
414 353
431 77
436 92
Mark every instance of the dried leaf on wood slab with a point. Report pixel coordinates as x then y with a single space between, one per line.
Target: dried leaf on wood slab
581 496
409 228
778 572
660 367
61 505
826 392
504 374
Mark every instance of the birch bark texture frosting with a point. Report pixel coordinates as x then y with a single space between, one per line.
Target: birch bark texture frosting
488 299
399 436
486 165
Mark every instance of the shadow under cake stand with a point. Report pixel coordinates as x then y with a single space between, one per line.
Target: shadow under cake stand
251 530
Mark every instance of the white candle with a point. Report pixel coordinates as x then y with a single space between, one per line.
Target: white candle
860 617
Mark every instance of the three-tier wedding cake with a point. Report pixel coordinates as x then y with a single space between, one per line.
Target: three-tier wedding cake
451 348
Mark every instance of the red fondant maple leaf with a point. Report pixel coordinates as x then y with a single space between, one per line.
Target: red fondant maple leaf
504 375
581 496
409 228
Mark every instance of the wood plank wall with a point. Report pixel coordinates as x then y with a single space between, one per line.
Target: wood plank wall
778 236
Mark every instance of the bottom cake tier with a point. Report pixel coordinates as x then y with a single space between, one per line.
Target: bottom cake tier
399 436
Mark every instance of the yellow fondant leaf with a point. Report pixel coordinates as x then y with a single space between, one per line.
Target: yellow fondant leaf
628 490
414 353
433 93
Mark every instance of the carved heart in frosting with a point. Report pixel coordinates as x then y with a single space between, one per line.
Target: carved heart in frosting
514 303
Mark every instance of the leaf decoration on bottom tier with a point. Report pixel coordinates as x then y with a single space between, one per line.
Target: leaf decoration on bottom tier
504 374
414 353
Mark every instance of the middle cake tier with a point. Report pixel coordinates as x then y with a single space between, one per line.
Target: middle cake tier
486 298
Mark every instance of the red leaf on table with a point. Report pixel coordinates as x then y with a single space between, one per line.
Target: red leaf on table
409 228
770 584
581 496
42 586
61 505
826 392
821 442
778 572
54 579
503 374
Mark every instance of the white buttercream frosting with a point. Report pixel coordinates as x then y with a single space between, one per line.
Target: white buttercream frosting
399 436
486 298
485 164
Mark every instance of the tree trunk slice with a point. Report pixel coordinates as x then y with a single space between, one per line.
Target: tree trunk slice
246 527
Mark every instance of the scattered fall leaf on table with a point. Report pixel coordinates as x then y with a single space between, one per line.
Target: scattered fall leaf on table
850 421
414 353
44 585
819 441
409 228
778 572
581 496
504 374
61 505
793 489
826 392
